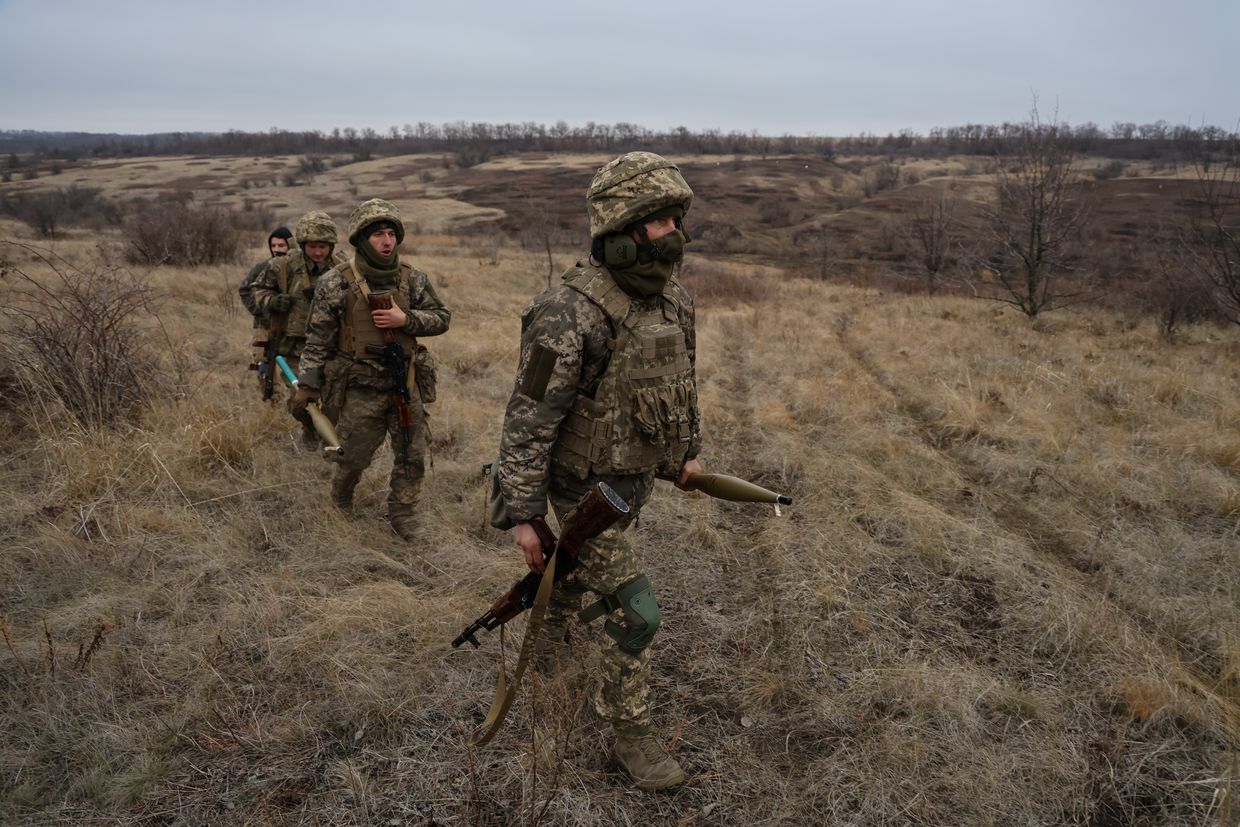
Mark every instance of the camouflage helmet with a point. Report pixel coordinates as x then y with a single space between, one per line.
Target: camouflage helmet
369 212
316 225
633 186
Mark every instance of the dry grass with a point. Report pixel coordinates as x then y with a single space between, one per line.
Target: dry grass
1007 592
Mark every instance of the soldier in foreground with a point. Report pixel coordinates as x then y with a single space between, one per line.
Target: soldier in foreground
362 342
277 245
283 292
606 390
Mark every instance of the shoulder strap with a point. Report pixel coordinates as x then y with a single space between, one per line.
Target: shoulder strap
353 274
597 285
282 277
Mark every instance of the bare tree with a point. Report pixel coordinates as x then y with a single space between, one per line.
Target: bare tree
930 230
1036 221
540 221
1210 246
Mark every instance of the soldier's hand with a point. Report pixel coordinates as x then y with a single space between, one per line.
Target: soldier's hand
304 397
388 318
691 467
531 546
280 303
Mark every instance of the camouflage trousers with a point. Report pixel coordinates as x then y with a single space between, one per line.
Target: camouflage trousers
607 563
366 416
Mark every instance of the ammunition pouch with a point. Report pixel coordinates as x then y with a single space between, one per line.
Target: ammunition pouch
424 374
641 615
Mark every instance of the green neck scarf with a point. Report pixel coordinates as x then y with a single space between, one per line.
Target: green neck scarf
649 275
378 271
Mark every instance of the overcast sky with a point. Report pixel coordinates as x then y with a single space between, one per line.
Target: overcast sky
775 66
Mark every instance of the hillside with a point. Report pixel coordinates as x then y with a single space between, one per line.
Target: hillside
1007 592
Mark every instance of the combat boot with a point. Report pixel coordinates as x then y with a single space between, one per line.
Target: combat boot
404 526
343 483
645 759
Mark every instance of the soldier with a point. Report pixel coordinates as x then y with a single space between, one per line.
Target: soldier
343 337
277 245
284 289
606 390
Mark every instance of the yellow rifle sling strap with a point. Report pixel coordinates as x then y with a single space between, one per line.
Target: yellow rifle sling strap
282 277
506 690
355 276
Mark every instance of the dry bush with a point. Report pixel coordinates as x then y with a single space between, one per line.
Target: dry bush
46 211
79 337
175 232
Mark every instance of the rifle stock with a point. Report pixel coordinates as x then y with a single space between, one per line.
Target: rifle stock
597 511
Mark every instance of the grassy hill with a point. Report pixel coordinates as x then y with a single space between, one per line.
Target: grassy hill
1007 592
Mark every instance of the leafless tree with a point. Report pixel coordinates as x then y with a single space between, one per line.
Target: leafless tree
1036 221
930 231
1210 245
540 222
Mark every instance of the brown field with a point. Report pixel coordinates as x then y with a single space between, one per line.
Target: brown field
1008 592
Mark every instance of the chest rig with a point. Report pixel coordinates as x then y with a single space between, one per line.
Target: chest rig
639 416
357 329
294 279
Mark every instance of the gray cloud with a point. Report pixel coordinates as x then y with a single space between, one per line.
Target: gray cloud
777 66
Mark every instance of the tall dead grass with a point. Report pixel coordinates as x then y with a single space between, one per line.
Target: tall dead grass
1005 594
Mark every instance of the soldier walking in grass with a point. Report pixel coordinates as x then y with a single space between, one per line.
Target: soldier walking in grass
283 292
277 245
351 339
606 390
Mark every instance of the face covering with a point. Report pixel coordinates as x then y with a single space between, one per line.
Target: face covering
379 271
655 260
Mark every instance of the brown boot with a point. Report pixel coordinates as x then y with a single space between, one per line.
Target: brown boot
405 527
643 758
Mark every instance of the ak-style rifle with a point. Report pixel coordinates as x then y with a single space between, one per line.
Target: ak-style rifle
395 364
597 511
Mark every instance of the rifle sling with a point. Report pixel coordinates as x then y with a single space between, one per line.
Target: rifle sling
505 690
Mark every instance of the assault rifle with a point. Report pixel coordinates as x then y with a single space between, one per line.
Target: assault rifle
322 425
266 367
598 510
396 365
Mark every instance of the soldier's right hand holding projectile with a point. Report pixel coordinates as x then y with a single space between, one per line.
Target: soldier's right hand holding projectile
303 397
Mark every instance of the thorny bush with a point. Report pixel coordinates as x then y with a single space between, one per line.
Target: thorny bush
77 336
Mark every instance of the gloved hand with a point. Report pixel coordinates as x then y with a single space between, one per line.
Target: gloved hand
280 303
302 398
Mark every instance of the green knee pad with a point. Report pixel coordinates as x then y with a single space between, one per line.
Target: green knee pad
641 614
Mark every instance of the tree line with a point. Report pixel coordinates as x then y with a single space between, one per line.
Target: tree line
474 142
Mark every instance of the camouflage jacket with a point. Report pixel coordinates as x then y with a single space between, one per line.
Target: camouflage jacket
564 322
426 316
246 291
300 275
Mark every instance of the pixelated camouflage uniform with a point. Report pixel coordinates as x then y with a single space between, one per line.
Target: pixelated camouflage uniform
246 292
296 275
357 386
566 350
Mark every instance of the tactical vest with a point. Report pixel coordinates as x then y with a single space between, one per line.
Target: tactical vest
294 277
640 414
357 329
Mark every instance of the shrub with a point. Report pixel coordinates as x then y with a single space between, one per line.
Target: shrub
1108 171
48 210
182 234
79 337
